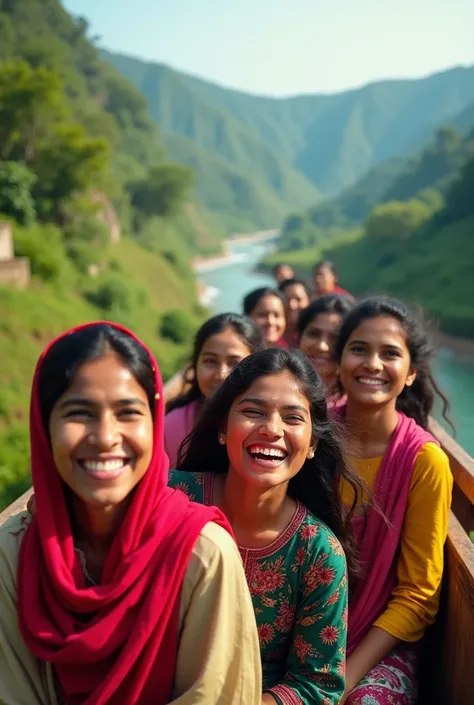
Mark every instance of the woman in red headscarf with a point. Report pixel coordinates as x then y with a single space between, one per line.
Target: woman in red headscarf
120 590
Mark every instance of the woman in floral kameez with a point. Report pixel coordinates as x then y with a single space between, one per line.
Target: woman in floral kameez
267 454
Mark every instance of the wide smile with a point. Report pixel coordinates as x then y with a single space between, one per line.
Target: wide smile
266 456
372 382
106 470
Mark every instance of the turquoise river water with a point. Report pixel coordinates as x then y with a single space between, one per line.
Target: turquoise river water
229 282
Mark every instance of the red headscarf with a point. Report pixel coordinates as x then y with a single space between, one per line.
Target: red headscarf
115 643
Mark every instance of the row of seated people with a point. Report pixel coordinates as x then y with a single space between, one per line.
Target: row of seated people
293 554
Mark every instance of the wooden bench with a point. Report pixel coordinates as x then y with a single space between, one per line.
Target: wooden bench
447 670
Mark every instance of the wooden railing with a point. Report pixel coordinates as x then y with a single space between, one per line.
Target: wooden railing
448 668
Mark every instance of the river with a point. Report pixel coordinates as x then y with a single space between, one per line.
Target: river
227 283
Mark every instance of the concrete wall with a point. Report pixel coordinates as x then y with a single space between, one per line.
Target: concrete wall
16 272
6 242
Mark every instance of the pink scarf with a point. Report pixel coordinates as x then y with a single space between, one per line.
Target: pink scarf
380 539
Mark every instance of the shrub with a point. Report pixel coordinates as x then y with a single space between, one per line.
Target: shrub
176 326
43 246
112 295
16 201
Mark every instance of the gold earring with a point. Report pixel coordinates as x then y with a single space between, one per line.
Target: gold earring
222 440
311 455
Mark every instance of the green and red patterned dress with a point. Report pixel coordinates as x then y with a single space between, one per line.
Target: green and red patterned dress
299 592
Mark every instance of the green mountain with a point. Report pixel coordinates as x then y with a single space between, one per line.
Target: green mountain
278 145
240 177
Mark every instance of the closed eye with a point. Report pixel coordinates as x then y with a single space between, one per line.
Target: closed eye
77 412
252 412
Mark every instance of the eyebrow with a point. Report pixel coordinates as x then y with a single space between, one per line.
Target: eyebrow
261 402
80 401
384 345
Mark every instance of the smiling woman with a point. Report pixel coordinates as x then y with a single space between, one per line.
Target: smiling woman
219 345
119 589
266 452
384 355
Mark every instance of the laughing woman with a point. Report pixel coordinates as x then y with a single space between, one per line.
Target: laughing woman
119 590
384 357
275 469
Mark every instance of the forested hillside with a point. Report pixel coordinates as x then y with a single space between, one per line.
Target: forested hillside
251 151
396 179
419 246
104 220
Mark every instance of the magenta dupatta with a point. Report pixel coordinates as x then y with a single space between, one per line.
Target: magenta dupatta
381 538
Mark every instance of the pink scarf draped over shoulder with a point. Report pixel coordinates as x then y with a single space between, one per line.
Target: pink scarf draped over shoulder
380 535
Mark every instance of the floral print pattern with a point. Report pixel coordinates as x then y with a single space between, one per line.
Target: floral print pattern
298 586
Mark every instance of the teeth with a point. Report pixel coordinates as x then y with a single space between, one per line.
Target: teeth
103 466
271 452
373 382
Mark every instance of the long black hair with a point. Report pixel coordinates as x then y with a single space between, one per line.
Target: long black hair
252 299
317 484
65 357
328 303
246 329
418 399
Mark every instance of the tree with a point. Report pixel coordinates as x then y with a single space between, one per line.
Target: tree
16 200
162 191
31 100
397 220
67 161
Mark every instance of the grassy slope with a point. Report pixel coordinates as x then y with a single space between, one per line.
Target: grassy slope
30 318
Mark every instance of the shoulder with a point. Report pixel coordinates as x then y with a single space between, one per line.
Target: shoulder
319 540
431 467
11 536
175 417
188 482
214 551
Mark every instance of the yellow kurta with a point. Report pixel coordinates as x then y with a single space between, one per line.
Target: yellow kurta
219 655
415 599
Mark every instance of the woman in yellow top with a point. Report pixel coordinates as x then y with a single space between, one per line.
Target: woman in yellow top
384 368
119 590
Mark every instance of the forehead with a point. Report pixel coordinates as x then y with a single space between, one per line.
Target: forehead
324 269
294 290
383 330
280 389
269 303
224 342
107 376
326 321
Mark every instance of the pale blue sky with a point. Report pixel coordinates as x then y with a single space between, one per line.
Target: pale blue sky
284 47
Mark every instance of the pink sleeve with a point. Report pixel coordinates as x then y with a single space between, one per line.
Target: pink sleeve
178 424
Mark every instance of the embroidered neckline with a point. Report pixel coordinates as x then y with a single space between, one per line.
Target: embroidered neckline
298 518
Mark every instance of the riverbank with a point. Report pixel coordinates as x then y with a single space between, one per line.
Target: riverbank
205 264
